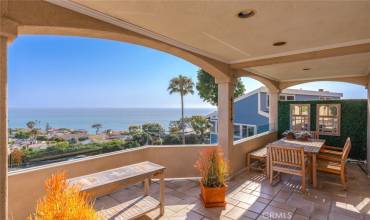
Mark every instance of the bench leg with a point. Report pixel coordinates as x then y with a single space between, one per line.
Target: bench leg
146 187
161 194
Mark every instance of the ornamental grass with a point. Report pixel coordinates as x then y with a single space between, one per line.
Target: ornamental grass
63 202
212 167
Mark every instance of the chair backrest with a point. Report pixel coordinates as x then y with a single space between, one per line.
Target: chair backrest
315 134
290 156
346 149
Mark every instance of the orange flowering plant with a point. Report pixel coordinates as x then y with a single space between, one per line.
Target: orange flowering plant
213 167
63 202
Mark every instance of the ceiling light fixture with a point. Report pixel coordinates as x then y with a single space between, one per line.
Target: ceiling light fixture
246 13
279 43
305 69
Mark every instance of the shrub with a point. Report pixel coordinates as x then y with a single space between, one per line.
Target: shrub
16 157
22 135
63 202
212 167
83 138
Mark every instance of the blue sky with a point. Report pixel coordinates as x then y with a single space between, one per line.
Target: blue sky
49 71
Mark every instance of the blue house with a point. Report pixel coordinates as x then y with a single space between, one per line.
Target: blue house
251 111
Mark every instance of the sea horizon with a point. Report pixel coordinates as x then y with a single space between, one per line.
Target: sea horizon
110 117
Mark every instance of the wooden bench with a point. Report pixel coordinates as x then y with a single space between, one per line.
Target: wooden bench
101 183
259 155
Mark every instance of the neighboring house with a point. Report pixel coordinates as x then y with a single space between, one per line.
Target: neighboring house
251 110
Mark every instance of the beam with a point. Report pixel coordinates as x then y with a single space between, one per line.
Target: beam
317 54
359 80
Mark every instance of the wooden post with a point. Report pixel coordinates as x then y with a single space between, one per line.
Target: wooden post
146 187
225 117
3 130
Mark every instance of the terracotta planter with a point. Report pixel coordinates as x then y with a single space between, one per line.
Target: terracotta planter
213 196
290 137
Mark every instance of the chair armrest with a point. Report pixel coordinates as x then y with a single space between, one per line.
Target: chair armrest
324 157
332 148
337 153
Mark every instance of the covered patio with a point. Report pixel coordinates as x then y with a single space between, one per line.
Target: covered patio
280 44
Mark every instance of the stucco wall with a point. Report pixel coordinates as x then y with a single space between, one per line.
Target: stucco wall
26 186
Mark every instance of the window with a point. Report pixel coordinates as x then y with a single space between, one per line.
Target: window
214 126
286 97
250 131
237 130
267 101
328 119
300 117
244 130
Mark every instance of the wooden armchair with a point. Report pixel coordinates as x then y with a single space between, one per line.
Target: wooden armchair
333 160
288 160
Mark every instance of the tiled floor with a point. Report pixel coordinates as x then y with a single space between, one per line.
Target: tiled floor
250 196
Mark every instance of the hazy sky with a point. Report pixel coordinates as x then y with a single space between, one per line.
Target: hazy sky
49 71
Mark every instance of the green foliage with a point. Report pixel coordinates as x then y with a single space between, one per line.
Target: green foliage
31 124
42 138
182 85
82 138
201 126
353 123
208 89
133 129
172 139
97 127
22 135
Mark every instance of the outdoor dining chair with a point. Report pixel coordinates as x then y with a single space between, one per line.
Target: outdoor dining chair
290 160
333 161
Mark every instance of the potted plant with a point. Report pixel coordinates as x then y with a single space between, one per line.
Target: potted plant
289 134
304 135
213 170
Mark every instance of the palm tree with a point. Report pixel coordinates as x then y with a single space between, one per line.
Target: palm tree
31 124
184 86
97 127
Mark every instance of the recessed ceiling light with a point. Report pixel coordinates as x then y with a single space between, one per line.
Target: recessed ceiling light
306 69
246 13
279 43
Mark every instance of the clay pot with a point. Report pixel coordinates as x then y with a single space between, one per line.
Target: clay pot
290 137
213 196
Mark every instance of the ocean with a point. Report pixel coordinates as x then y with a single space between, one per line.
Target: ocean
110 118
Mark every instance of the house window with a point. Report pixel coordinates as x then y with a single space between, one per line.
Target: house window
300 117
250 131
213 126
328 119
286 97
237 131
244 131
267 101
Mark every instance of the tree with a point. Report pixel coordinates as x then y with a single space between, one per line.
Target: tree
201 126
97 127
208 89
31 124
47 127
182 85
109 132
22 135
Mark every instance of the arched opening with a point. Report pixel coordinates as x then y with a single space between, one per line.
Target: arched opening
85 91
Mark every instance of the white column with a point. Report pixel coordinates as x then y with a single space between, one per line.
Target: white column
368 127
225 117
3 130
273 111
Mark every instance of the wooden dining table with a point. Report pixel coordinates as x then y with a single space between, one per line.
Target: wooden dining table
311 148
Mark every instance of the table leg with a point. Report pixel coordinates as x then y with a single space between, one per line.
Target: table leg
161 193
146 186
314 171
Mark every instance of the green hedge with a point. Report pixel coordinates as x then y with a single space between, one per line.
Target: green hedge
353 123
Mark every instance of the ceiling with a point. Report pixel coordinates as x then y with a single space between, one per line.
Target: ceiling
213 28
